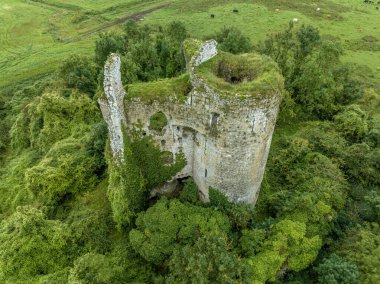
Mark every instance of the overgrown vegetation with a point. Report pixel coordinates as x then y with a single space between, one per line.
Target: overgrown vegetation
244 74
70 216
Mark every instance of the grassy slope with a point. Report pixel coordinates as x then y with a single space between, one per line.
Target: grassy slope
34 37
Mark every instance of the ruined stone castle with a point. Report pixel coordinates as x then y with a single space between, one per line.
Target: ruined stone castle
220 115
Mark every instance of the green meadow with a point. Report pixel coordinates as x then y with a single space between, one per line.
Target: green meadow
36 35
70 213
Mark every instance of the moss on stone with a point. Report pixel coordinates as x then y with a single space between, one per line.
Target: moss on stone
248 74
160 90
191 48
157 122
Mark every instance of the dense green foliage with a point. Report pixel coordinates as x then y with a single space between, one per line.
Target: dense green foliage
232 40
148 53
313 73
209 260
32 245
127 191
335 269
70 213
158 121
79 72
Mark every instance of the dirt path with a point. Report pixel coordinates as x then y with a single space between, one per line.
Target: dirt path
135 17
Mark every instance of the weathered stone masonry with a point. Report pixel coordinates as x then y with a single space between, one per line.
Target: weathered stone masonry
225 137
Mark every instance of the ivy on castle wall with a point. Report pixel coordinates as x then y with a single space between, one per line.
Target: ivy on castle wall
143 169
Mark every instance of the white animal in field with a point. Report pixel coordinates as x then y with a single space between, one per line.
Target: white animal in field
318 9
295 20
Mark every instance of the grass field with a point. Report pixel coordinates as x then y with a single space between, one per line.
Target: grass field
36 35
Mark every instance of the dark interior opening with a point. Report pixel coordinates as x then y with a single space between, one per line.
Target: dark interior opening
182 180
235 80
214 119
235 71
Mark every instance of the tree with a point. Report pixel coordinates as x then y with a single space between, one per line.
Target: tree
373 200
337 270
314 75
308 38
287 247
30 244
170 224
352 123
92 268
4 127
231 39
361 164
208 260
50 118
79 72
66 169
361 246
106 44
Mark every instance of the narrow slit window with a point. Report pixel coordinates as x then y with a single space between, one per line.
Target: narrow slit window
214 119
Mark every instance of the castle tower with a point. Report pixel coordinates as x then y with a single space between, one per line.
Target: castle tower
221 115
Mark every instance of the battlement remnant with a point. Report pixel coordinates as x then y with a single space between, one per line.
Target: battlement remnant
220 115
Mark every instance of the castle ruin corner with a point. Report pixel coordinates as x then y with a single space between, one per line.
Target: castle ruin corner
221 115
